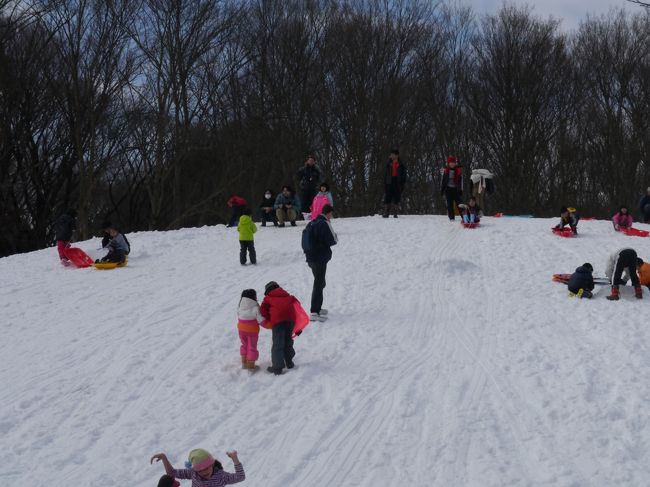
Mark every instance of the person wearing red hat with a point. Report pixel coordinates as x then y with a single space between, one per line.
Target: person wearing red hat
451 185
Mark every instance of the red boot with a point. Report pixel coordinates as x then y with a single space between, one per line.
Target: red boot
615 294
638 292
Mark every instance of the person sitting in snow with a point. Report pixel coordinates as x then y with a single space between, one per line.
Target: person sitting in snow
568 218
278 310
203 469
581 282
287 206
622 219
267 212
471 212
621 266
118 247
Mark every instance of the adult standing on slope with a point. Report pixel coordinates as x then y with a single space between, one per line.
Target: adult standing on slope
451 186
317 239
64 228
644 207
394 181
308 178
620 262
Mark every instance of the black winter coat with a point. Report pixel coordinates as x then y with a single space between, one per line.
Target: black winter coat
322 238
64 226
401 174
581 279
308 177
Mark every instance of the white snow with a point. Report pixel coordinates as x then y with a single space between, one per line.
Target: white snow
449 359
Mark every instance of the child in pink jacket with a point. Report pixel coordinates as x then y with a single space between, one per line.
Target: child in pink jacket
249 320
622 219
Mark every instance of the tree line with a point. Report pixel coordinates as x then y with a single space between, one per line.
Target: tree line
151 113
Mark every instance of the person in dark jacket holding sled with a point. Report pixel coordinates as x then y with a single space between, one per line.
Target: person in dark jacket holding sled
581 282
317 239
394 181
279 312
64 228
451 186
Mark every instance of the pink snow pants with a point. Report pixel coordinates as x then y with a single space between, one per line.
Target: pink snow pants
248 347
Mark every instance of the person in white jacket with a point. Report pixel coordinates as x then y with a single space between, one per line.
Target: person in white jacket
621 266
249 320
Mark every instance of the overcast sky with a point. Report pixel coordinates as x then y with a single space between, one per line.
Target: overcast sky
570 12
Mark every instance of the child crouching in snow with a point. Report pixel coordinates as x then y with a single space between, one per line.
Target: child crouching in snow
203 469
249 319
581 282
568 218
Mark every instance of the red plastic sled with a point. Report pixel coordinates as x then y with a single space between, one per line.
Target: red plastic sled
302 319
635 232
78 257
563 232
470 225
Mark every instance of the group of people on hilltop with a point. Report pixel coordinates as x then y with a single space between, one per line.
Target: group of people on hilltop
287 206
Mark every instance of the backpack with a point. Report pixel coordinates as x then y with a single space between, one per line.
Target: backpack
307 237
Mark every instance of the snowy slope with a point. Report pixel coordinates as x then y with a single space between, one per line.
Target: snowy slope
449 359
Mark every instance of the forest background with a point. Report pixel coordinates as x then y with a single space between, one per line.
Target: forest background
151 113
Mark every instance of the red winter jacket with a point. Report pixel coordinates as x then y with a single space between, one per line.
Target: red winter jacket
278 307
236 201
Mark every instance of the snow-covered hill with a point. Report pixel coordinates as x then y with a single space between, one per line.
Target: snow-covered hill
449 359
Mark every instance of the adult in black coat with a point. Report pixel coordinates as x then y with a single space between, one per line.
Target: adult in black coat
394 181
64 227
309 176
267 212
321 237
582 279
644 207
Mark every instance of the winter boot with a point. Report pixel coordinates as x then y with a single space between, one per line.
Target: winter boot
395 208
615 294
386 211
244 363
250 365
274 371
638 292
263 223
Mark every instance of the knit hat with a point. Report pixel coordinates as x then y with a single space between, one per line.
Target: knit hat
564 209
587 265
270 286
168 481
249 293
395 151
200 459
451 159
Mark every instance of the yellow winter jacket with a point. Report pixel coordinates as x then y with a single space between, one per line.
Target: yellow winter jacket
246 228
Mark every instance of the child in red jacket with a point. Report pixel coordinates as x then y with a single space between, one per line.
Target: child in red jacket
278 309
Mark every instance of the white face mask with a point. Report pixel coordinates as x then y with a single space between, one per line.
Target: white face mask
267 195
